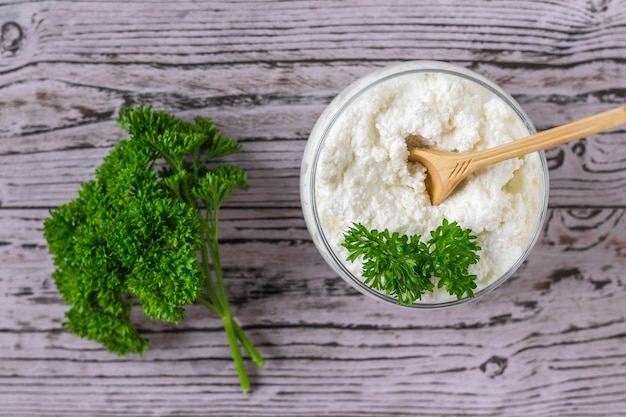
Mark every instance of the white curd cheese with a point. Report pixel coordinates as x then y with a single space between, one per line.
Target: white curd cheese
363 174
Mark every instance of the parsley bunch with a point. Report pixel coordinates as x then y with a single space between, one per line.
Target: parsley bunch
404 266
145 231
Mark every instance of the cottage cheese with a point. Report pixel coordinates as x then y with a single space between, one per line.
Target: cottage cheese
363 174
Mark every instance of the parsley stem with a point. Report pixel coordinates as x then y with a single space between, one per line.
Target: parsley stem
233 331
206 268
213 245
210 306
247 344
236 352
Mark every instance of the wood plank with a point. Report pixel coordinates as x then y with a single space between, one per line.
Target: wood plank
585 173
30 104
548 32
277 266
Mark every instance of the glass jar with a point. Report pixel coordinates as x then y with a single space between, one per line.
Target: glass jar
439 99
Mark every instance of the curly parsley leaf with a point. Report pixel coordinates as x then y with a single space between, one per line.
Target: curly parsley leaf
392 263
452 251
405 267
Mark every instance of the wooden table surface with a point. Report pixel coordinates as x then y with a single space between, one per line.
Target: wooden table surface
549 342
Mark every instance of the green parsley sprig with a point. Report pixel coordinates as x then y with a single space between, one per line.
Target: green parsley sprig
145 231
405 267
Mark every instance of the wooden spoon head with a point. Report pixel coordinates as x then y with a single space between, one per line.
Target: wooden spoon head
444 171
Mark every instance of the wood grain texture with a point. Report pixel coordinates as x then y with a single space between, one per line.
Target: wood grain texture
547 343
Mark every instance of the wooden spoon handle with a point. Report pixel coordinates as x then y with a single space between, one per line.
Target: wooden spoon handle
551 137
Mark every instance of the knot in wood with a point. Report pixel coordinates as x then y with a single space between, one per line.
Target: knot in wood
494 366
11 36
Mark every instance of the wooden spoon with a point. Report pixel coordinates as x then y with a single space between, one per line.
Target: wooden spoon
445 170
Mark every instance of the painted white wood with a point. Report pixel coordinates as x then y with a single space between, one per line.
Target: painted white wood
549 342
